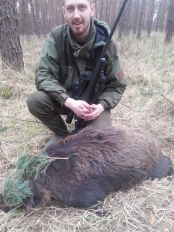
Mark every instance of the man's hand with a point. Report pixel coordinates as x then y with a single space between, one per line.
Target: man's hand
96 111
83 110
79 107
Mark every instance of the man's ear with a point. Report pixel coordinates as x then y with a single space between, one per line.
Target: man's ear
63 10
92 9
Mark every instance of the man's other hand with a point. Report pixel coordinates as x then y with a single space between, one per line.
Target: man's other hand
83 110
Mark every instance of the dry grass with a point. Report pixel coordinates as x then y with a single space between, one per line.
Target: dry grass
147 103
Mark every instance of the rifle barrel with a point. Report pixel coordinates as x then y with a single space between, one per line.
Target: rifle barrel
88 95
113 28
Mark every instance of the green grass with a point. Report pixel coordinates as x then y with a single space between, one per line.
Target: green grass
5 91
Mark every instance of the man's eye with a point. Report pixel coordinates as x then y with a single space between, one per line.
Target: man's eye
70 9
82 7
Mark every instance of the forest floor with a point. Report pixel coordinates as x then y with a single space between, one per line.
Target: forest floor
148 103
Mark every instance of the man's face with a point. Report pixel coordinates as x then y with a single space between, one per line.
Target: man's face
78 14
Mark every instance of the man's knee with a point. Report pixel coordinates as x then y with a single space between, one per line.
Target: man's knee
103 121
39 101
32 102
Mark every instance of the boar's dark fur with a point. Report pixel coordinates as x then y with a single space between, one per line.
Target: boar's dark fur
95 163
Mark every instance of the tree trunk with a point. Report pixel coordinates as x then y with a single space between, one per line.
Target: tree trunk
104 14
170 23
11 51
128 17
164 3
57 22
34 26
20 16
150 17
159 15
50 13
101 12
136 9
114 11
25 30
37 10
54 5
122 23
140 20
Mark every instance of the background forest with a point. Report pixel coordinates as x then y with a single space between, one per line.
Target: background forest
144 38
38 17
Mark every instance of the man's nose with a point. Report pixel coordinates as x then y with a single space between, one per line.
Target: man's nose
76 13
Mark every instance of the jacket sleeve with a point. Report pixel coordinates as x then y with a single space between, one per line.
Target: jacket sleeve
47 73
115 83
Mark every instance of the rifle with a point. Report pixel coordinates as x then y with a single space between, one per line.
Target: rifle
86 93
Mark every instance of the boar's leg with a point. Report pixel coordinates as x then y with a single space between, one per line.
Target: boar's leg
89 193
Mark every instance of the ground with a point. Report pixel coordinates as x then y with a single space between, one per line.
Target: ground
148 103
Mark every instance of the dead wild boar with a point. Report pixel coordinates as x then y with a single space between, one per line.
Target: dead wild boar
93 163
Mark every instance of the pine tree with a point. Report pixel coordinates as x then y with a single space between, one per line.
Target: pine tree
11 51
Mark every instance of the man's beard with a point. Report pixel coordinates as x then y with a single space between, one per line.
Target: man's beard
80 31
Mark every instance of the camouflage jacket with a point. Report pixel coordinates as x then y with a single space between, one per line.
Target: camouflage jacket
57 72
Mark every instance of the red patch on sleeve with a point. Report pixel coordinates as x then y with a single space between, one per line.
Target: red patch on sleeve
120 74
